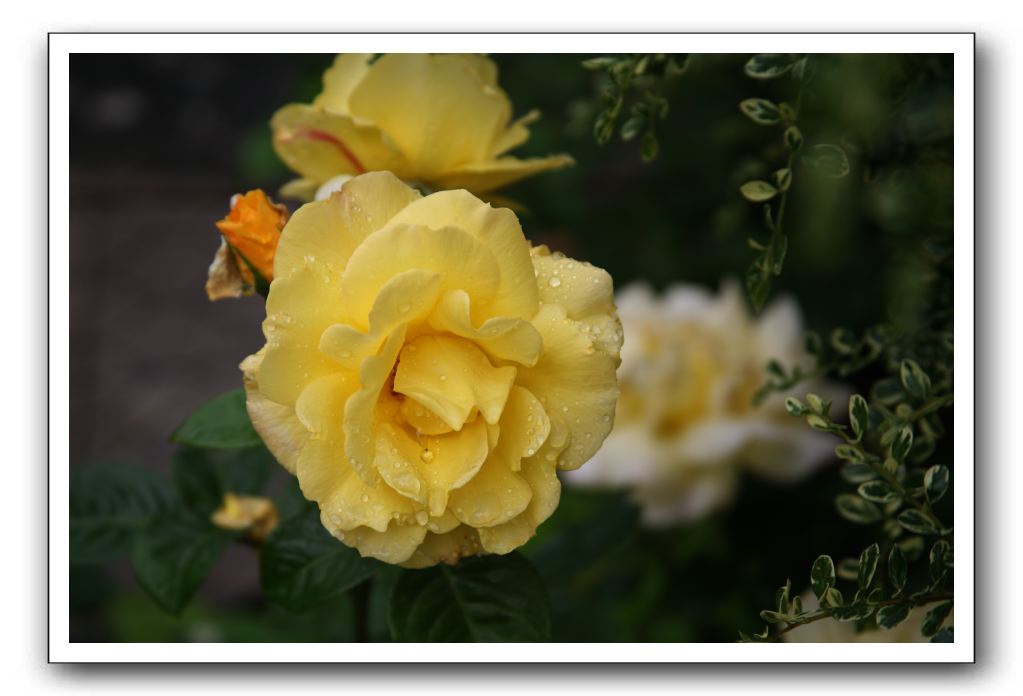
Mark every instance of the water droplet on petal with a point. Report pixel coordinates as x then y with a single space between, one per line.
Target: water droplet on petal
554 282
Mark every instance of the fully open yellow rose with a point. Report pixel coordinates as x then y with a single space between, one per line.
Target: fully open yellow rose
426 372
438 119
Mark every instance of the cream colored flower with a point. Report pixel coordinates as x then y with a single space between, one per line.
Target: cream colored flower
437 119
426 372
686 425
832 631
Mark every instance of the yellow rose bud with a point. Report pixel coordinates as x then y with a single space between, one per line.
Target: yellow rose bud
426 372
437 119
250 233
241 512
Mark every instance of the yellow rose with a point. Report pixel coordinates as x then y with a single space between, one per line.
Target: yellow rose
437 119
426 372
686 424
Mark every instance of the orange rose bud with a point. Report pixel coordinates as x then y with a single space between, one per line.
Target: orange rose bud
253 228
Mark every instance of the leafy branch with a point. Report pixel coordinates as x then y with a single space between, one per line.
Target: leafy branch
826 159
636 81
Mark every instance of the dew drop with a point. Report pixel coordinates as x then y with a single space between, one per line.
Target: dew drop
405 306
365 498
554 282
426 455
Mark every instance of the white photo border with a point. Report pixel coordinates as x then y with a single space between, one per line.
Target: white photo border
62 45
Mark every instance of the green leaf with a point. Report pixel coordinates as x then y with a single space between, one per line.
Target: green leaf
855 472
482 599
766 66
934 618
773 617
856 509
945 635
762 111
914 379
936 482
902 443
649 147
822 575
302 566
912 547
852 612
793 138
916 522
859 415
203 476
936 560
850 454
782 179
794 406
868 565
173 555
897 569
599 63
109 503
848 569
782 597
758 191
878 491
827 160
832 598
222 423
632 127
758 284
890 616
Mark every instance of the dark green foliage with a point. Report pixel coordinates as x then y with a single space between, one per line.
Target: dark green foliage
110 502
481 599
302 565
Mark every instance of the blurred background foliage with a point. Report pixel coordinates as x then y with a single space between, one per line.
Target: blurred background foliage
680 218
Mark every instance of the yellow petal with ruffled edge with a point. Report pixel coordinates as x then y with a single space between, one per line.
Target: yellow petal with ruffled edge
516 134
318 144
461 260
504 338
481 177
340 79
499 231
495 495
278 426
448 547
524 430
397 461
437 109
452 377
407 297
450 461
359 423
325 233
298 309
576 382
394 545
543 481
